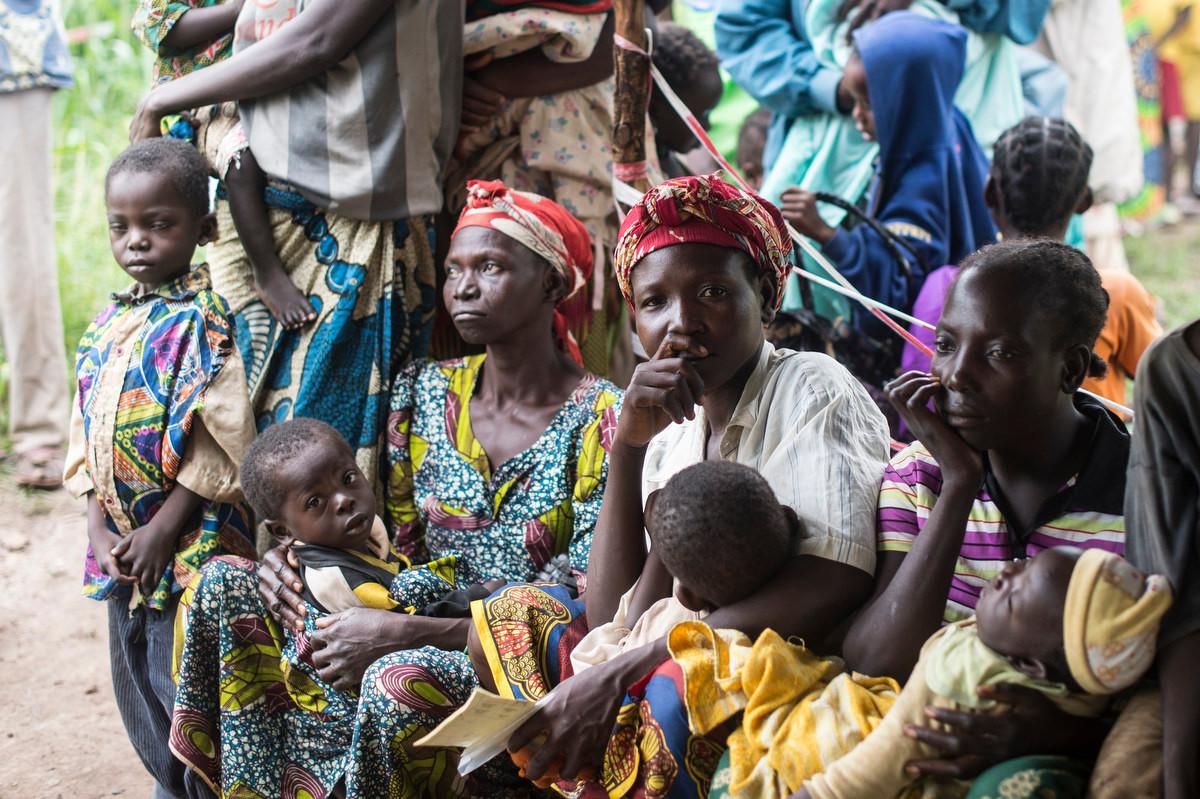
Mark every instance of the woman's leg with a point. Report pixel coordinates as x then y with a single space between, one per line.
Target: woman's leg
404 696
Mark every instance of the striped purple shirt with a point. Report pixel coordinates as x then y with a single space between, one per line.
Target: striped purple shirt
1088 512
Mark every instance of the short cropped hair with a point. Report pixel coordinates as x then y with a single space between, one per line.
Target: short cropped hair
173 158
260 472
681 56
718 529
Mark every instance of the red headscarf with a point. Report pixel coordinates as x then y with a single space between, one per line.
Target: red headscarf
543 226
704 209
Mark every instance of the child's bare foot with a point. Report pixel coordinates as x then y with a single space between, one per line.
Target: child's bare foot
282 298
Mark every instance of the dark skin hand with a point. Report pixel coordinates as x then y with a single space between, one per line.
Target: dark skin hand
347 643
198 27
103 541
307 46
145 553
700 309
1031 724
799 207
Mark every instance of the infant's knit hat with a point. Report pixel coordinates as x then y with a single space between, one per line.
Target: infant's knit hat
1110 622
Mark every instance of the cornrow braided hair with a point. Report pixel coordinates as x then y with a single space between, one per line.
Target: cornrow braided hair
1064 287
680 55
1041 167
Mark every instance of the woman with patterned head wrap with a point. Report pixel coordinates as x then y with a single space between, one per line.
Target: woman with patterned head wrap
701 264
497 459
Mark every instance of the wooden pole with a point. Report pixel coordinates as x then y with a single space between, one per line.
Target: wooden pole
631 73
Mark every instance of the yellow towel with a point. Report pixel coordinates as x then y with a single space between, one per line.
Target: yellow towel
801 711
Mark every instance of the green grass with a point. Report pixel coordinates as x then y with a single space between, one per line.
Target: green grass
1166 262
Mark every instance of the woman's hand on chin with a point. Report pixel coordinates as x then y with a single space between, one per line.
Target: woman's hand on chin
568 734
910 394
663 390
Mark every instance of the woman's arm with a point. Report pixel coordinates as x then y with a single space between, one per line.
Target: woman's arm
911 588
347 643
663 390
305 47
619 543
201 26
1181 717
532 74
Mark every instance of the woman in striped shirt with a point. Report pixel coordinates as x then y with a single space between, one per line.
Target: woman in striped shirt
1010 461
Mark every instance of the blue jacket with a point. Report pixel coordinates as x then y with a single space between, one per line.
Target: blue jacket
931 171
764 46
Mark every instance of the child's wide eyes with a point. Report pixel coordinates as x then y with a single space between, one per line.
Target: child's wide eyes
943 345
312 503
349 478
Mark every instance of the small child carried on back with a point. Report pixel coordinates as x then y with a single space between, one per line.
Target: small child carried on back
1075 626
188 36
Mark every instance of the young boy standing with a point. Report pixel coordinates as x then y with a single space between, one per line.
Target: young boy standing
160 422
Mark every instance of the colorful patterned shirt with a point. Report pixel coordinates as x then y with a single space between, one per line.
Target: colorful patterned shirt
1088 512
161 402
154 19
444 498
33 51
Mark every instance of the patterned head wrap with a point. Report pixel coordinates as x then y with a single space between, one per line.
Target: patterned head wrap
1110 621
704 209
543 226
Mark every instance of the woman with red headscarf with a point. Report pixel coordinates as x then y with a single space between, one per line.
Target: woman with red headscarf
497 459
701 264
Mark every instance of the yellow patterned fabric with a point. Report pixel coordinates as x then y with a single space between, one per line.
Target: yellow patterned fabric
1110 622
801 712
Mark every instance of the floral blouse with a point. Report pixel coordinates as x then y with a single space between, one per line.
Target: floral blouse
445 499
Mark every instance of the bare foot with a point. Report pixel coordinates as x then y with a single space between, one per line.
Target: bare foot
282 298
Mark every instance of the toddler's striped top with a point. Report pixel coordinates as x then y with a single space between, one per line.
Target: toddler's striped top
1088 512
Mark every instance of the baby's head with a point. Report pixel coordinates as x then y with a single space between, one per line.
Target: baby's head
1088 619
692 70
156 193
301 479
720 532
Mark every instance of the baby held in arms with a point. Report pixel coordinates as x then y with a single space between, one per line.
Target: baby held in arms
1076 626
719 533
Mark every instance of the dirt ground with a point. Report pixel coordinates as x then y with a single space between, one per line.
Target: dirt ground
60 734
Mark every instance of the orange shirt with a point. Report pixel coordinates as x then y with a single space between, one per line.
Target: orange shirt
1130 328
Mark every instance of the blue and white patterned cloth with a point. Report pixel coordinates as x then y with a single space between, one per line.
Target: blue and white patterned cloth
33 48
